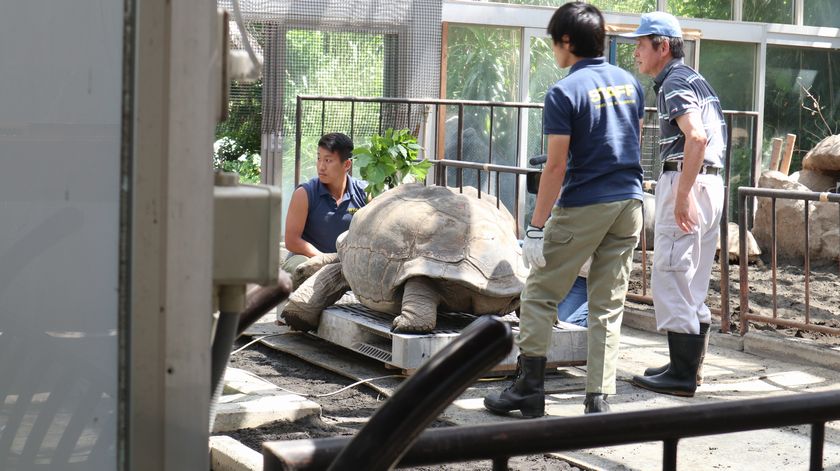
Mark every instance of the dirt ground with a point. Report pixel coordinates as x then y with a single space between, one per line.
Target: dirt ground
343 414
346 412
823 295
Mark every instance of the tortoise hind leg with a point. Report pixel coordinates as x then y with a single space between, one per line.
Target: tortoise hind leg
325 287
419 307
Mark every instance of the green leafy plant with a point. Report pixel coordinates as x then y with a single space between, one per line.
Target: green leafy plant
388 160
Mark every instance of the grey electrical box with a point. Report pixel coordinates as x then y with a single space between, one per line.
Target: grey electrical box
246 235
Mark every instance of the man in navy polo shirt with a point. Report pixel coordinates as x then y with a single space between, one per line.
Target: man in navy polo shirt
689 202
592 119
322 208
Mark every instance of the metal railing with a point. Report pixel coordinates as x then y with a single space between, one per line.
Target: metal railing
745 195
499 170
744 124
500 441
755 163
407 119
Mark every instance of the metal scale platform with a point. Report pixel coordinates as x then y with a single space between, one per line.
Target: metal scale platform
368 332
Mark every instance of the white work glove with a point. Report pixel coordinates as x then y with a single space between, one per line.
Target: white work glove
532 247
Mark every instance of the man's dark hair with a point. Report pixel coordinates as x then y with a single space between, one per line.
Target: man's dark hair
338 143
583 24
675 43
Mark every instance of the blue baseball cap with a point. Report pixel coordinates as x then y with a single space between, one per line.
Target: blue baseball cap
658 23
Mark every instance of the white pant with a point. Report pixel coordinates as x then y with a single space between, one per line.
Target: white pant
682 262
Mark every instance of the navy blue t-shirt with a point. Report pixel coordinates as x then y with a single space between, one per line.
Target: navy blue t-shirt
599 105
327 219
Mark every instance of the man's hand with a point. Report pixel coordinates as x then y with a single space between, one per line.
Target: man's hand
685 212
532 247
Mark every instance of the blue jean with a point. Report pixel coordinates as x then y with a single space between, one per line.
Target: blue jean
574 309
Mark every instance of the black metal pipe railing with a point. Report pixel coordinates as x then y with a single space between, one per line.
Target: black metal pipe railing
507 439
397 424
745 197
262 299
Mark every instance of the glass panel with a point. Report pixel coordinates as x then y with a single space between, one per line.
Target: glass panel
483 64
730 69
715 9
624 58
742 128
61 114
621 6
543 74
802 96
769 11
822 13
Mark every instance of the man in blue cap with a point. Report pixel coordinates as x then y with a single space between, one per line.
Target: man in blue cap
689 202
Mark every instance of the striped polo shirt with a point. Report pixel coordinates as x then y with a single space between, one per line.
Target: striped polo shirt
680 90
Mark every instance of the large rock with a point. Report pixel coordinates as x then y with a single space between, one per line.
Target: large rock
753 250
649 206
825 156
824 228
816 180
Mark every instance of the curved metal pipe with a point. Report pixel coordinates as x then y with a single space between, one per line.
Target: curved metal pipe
396 425
258 302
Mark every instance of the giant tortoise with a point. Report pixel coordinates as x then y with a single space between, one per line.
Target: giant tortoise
415 250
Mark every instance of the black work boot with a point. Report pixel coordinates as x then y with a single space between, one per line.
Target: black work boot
704 330
595 403
526 394
680 379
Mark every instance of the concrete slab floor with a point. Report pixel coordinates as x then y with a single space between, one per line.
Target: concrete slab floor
730 375
250 401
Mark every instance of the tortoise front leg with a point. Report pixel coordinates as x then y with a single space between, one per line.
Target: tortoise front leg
419 307
311 266
325 287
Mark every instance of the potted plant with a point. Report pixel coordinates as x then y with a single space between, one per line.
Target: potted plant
389 160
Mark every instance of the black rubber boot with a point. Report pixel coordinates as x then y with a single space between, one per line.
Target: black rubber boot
680 379
595 403
526 394
704 330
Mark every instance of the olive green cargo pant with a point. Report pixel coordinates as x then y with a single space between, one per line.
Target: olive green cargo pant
609 232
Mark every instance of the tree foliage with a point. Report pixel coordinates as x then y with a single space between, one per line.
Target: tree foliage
714 9
768 11
625 6
795 80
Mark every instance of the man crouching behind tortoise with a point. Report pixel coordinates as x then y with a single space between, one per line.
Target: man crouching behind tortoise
592 119
323 207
